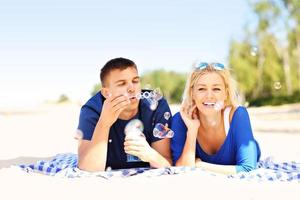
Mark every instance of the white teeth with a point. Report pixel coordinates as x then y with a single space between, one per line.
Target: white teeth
209 104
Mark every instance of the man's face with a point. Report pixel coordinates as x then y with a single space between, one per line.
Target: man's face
124 82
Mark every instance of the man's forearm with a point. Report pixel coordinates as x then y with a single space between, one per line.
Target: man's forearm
92 154
158 161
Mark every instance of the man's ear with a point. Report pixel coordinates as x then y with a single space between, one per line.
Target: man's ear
105 92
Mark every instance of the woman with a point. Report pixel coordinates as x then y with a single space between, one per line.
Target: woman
211 131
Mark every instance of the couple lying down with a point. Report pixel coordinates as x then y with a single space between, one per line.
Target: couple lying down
211 131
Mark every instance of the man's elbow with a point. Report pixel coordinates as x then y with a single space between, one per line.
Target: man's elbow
170 161
89 166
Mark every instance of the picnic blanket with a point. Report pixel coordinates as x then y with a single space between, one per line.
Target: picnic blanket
65 165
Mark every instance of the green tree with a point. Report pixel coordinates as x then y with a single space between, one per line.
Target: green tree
261 60
293 8
170 83
96 89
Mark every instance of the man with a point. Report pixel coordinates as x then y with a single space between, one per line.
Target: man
104 117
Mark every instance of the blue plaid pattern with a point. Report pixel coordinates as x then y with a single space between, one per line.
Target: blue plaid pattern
65 165
268 170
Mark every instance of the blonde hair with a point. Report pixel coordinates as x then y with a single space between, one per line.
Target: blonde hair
230 85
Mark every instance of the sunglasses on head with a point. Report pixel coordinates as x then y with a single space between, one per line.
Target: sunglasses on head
216 66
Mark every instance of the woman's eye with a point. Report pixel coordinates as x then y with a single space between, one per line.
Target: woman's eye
201 89
217 89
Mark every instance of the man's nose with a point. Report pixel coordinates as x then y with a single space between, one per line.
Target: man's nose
130 88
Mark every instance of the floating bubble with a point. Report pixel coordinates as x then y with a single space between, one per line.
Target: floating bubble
151 97
167 115
161 131
277 85
139 96
153 104
135 127
219 105
146 95
78 134
158 94
212 123
152 94
254 51
108 169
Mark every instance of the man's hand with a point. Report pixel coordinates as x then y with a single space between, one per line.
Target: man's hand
198 162
112 107
138 146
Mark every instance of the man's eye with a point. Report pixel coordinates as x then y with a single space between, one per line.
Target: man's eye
136 81
121 84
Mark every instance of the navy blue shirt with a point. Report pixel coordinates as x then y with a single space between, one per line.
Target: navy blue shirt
116 156
239 148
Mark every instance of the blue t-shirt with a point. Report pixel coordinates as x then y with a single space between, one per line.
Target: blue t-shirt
239 148
116 156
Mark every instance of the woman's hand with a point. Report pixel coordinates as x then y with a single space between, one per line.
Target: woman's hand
189 116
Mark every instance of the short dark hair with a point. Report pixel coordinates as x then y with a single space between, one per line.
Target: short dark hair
113 64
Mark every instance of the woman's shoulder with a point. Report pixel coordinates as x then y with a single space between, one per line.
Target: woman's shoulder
237 112
177 121
177 117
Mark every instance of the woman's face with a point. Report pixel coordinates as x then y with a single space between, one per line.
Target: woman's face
209 93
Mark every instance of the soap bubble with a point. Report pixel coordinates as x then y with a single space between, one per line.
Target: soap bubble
151 97
146 94
158 94
212 123
135 127
153 104
162 131
78 134
108 169
254 51
167 115
219 105
139 96
277 85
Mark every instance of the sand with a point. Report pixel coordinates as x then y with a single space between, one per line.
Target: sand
30 134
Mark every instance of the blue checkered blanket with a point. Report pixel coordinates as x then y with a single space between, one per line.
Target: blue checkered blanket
65 165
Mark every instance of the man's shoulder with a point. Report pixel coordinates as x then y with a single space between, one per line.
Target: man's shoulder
94 103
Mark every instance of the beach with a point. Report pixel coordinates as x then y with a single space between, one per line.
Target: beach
45 130
40 132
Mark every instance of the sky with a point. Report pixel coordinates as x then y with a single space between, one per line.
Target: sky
54 47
